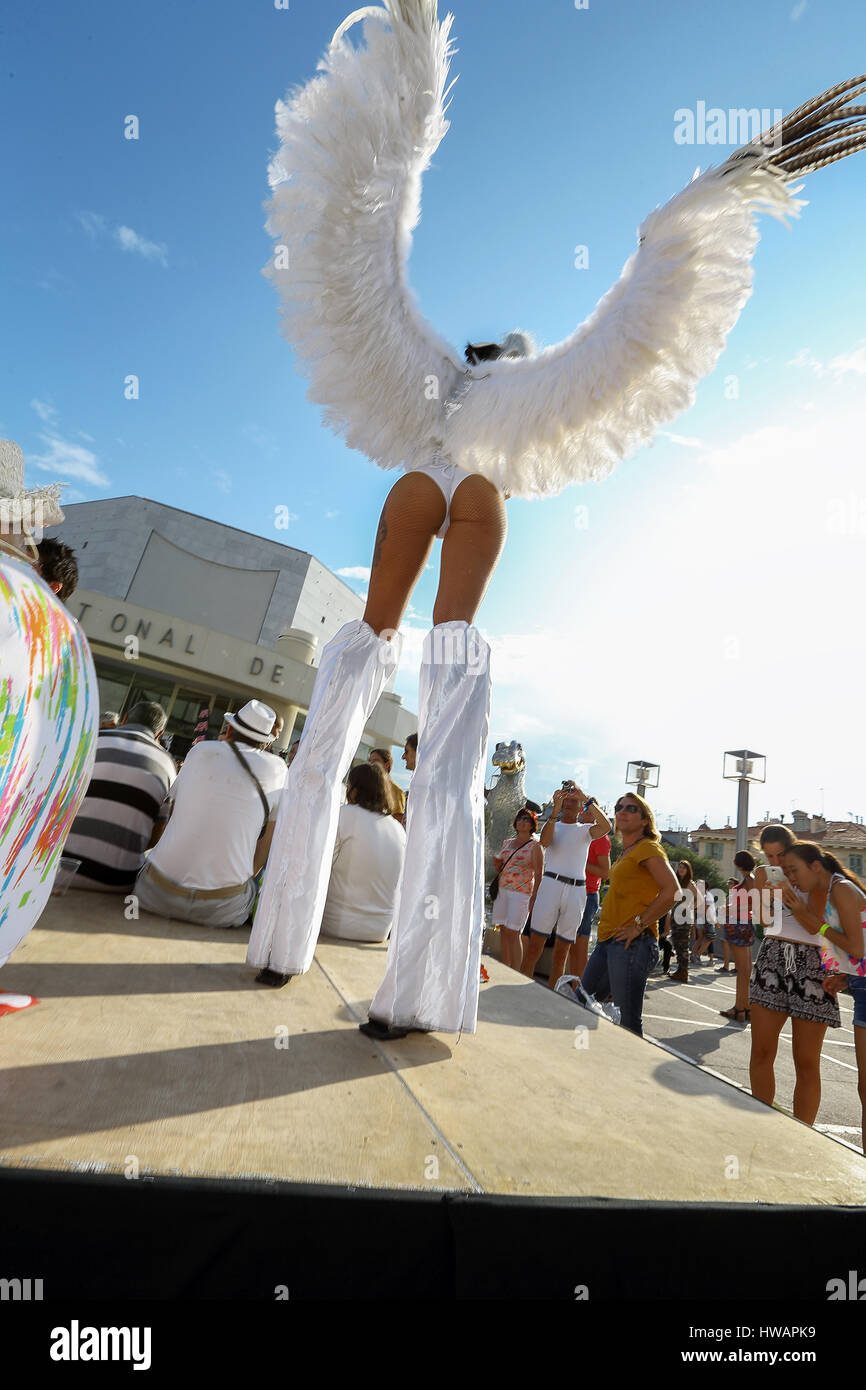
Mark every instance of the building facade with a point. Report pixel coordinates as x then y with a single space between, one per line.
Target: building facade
844 839
202 617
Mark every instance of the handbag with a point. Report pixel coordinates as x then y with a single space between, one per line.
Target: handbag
247 768
493 890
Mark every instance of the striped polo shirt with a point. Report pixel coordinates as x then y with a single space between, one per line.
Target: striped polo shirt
131 779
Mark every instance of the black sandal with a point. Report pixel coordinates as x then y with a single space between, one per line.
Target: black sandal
737 1015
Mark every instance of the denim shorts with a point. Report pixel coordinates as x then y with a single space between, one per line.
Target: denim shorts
589 914
857 988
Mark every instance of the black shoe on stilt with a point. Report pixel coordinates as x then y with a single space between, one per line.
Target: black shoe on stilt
271 977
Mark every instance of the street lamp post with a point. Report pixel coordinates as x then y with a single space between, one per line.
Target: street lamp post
642 775
743 766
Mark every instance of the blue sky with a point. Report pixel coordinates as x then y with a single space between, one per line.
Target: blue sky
712 597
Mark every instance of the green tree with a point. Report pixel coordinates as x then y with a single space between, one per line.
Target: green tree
702 868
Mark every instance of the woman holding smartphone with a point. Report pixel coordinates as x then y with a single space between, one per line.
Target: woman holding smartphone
788 980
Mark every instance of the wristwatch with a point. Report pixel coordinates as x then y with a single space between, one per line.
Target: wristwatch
589 803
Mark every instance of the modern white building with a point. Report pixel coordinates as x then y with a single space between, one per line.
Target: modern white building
201 616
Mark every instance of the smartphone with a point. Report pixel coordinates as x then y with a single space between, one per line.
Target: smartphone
775 874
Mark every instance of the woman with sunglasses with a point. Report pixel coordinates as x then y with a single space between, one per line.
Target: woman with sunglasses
519 864
642 889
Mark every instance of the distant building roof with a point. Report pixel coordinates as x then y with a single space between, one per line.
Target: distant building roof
848 834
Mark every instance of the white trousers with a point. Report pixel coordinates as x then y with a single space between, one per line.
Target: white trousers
352 674
434 955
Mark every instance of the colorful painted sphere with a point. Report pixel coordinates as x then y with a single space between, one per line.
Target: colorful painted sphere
49 718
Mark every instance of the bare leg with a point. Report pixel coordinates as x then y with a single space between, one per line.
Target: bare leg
413 512
470 549
533 945
767 1024
560 955
577 956
743 965
512 948
808 1037
860 1052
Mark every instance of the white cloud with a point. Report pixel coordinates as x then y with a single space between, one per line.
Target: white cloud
806 358
69 460
45 411
93 223
330 515
853 361
361 572
96 226
686 441
131 241
222 480
798 11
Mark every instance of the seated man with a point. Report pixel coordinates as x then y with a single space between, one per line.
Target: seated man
222 815
368 859
131 778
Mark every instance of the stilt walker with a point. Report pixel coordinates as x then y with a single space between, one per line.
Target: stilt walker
507 420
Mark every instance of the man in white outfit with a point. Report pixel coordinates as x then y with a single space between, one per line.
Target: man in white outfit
561 896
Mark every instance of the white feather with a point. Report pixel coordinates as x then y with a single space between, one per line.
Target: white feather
569 414
354 143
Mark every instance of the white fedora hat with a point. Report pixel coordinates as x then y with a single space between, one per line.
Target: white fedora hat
256 721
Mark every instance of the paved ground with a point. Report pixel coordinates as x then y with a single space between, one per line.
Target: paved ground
154 1051
686 1018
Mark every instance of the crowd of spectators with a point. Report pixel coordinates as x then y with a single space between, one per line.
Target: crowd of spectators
193 844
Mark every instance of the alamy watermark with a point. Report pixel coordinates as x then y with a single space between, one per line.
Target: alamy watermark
736 126
729 909
22 515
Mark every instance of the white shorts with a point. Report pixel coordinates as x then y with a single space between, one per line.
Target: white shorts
447 477
559 907
511 909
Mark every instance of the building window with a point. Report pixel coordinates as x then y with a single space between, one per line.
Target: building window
855 863
715 849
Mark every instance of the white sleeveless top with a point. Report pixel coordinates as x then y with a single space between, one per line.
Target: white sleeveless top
787 927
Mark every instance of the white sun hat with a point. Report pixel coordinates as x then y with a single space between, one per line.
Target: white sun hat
255 720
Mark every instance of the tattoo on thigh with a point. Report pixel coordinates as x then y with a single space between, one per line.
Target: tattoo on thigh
381 536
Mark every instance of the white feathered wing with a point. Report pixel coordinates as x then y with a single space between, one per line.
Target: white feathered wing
569 414
354 144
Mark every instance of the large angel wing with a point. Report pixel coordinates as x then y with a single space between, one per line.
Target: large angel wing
347 178
572 412
354 143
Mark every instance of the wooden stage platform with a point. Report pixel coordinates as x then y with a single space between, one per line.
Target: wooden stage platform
153 1056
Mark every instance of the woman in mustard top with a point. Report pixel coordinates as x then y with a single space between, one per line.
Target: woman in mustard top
642 889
